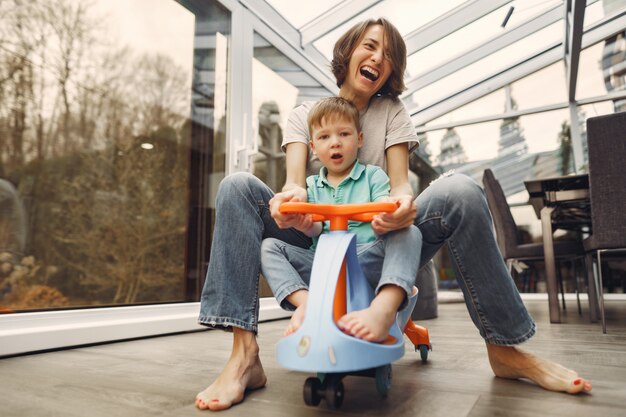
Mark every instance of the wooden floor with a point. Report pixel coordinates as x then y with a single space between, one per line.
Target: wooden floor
160 376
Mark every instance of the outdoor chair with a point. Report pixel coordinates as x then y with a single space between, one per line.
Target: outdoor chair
606 139
509 240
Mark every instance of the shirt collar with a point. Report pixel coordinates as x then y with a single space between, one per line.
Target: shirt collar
357 170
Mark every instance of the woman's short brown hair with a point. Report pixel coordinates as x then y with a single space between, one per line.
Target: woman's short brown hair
396 49
330 109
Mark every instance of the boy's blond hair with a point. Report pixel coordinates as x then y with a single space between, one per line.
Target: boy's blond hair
331 109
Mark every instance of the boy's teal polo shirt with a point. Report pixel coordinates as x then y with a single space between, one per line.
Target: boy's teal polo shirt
364 184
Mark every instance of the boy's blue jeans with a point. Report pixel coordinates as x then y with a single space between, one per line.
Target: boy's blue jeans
452 210
390 259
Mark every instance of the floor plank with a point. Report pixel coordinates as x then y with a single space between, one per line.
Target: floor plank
160 376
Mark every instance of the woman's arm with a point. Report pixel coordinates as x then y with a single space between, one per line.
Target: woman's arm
295 161
295 185
397 157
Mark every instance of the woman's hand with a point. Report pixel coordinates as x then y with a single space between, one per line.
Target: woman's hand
399 219
287 220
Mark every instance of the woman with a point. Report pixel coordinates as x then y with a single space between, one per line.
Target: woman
368 63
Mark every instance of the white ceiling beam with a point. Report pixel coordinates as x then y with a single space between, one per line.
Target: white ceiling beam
614 95
333 18
297 78
490 46
279 32
599 31
450 22
574 18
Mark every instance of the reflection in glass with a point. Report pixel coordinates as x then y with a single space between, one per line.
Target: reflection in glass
95 106
278 85
208 132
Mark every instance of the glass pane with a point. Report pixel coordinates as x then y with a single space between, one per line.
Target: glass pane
490 65
101 152
600 9
493 103
209 137
301 13
475 34
406 15
603 69
550 81
516 149
278 85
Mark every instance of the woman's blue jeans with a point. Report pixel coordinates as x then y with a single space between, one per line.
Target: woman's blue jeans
452 210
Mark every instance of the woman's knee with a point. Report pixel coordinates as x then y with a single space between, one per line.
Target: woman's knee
239 186
462 190
236 182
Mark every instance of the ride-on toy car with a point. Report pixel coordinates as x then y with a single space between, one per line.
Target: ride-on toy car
338 286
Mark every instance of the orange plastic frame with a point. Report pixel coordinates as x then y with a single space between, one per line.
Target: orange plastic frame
339 214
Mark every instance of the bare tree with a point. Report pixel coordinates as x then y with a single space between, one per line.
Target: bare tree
72 27
108 214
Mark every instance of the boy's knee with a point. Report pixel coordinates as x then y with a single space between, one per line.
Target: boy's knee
416 233
269 245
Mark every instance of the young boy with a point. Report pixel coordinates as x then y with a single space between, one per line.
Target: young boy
388 262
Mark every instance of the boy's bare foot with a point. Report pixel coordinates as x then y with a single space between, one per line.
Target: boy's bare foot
513 363
242 372
371 324
297 318
298 299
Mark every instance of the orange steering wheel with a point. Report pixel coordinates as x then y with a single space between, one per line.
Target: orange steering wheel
339 214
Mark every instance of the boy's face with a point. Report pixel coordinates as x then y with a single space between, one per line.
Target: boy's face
336 143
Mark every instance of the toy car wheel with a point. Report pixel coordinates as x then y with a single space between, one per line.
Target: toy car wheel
311 390
383 379
423 352
334 392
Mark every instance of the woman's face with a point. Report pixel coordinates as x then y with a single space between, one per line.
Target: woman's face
369 66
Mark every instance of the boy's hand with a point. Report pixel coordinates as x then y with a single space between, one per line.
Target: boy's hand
403 216
283 220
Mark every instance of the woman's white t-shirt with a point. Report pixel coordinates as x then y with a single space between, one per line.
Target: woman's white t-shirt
384 123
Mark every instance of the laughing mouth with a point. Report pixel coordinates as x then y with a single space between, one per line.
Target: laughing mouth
369 73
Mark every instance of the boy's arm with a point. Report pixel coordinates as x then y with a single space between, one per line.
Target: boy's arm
379 184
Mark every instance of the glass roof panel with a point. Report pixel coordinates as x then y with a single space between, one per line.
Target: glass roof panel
490 65
493 103
299 13
477 32
550 81
598 10
406 15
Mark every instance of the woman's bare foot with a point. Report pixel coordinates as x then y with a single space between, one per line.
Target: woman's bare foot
242 372
513 363
297 318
